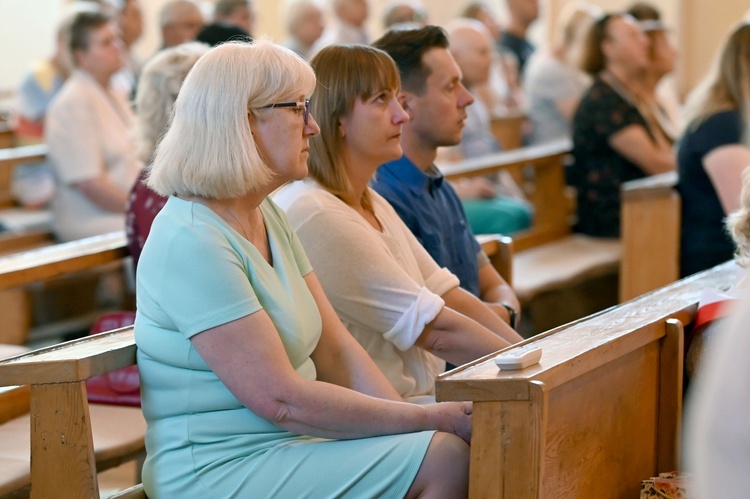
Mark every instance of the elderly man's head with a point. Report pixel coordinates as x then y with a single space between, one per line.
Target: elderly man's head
352 12
405 12
237 13
304 21
471 46
181 21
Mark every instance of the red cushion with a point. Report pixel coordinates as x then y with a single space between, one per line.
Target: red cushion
121 387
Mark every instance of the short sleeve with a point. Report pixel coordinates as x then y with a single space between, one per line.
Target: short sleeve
603 113
201 281
718 130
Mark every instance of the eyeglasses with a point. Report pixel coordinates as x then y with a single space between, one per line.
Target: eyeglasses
305 104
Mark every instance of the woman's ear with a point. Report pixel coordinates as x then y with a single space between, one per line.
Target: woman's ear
252 119
342 127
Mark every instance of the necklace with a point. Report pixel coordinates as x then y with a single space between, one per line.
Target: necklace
242 228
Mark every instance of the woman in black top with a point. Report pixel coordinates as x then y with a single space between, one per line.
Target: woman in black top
613 141
712 154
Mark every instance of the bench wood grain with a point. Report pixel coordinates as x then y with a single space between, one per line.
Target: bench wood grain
650 221
601 411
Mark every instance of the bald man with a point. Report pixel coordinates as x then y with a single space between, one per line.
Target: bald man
180 21
304 25
471 47
348 25
410 13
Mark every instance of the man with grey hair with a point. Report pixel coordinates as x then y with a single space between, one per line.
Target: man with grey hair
180 22
348 26
233 20
304 25
411 13
514 42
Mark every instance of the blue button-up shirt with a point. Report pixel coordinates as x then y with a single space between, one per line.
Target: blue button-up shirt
431 209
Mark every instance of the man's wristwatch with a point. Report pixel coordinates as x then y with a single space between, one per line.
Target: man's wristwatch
512 314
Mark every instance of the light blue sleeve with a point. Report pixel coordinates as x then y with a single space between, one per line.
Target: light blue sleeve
199 281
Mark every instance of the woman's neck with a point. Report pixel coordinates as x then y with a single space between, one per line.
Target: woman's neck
359 172
632 82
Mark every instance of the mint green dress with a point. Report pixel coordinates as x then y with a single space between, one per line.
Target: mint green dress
196 273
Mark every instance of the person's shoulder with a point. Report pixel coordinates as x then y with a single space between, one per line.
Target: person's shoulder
729 117
303 200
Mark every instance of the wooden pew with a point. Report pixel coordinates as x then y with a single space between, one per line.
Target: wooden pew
112 445
600 413
548 257
17 240
499 249
540 171
46 263
7 135
64 454
508 129
650 225
12 157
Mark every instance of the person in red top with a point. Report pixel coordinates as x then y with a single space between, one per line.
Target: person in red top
157 90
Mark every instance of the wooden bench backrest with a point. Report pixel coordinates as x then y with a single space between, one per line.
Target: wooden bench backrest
508 130
64 258
650 234
7 135
46 263
499 249
63 462
600 413
540 171
9 159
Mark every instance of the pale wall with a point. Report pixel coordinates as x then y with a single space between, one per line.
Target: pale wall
27 28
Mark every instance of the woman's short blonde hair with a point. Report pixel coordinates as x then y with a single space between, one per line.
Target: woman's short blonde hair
738 223
158 87
208 149
345 73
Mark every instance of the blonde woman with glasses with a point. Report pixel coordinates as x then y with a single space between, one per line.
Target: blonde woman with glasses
251 386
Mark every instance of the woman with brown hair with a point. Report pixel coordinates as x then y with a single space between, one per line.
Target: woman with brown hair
408 313
613 141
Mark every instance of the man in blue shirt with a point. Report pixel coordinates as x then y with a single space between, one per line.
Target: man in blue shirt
436 101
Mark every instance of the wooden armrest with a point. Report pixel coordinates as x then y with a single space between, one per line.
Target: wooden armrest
499 249
659 185
72 361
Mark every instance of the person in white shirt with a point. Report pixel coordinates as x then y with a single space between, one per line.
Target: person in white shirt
408 313
348 26
88 131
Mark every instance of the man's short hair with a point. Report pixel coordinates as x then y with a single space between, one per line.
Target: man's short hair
83 23
406 48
